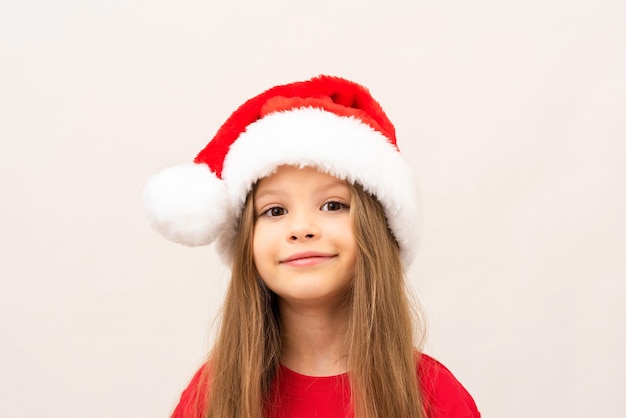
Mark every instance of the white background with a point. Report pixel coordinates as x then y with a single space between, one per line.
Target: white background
512 112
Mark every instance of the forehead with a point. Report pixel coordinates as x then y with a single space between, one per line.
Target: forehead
301 177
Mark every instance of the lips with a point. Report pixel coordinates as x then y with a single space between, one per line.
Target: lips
307 258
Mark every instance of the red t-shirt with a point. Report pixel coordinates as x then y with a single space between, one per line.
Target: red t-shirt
297 395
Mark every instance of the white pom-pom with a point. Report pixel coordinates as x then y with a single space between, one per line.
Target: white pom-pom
187 204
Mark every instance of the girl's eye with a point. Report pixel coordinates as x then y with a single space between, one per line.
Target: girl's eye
274 211
333 206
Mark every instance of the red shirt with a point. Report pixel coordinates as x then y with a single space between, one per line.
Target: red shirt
297 395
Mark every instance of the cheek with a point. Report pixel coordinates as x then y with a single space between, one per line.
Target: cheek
353 253
256 247
261 247
348 235
353 246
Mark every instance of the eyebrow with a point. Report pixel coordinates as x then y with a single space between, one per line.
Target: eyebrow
267 192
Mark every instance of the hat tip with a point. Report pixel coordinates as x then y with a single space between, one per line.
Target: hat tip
187 204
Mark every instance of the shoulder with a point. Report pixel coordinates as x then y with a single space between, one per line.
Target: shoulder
193 399
443 395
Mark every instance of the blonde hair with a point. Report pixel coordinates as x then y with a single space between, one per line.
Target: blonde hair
380 342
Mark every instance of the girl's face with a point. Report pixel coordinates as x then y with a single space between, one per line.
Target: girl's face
304 247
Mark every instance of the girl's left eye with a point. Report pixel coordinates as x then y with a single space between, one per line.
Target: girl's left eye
333 206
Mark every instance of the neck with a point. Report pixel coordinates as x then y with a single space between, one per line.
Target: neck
313 339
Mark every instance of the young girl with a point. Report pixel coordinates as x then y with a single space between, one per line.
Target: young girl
314 208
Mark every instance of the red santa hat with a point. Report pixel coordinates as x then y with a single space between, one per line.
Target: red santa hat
327 122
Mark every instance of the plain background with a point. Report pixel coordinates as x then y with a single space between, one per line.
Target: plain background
512 113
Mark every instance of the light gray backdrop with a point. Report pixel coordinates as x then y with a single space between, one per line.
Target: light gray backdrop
512 112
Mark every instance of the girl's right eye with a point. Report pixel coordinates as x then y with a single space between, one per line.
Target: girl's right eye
274 212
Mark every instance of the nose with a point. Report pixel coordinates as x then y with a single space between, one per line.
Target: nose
303 228
298 237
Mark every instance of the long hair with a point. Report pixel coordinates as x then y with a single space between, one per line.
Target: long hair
380 342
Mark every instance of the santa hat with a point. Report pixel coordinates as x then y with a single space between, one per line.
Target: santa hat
327 122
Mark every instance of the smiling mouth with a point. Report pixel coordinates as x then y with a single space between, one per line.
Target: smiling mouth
307 259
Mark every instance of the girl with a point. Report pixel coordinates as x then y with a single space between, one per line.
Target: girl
314 208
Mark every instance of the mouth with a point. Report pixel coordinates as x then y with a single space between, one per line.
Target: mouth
307 258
